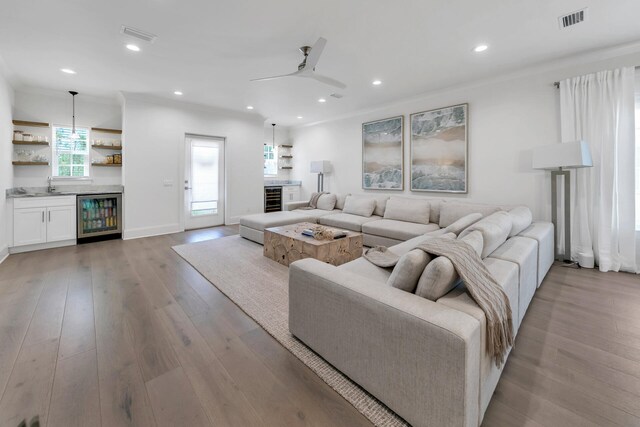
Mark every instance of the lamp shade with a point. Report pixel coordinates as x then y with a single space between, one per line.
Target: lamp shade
567 155
320 166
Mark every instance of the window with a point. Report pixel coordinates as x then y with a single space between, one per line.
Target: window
70 156
270 160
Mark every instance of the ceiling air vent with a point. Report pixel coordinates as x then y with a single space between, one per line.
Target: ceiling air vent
139 34
572 18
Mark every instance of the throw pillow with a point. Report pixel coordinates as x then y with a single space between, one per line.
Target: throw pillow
326 202
450 212
521 218
463 223
408 210
359 206
437 279
381 203
495 230
407 271
340 199
475 240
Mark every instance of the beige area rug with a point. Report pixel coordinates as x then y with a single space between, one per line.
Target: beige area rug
259 286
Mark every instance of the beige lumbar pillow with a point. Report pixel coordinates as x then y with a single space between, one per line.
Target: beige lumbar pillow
359 206
408 270
408 210
326 202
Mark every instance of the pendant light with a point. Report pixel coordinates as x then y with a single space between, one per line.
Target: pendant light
273 142
74 134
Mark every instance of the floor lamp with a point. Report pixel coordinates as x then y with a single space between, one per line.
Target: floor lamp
558 158
320 167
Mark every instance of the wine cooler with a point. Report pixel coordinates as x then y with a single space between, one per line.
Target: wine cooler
99 217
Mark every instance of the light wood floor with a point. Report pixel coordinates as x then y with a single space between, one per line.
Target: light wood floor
125 333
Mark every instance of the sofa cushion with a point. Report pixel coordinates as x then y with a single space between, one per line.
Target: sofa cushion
476 241
521 218
437 279
316 213
495 229
523 252
275 219
450 212
366 269
407 271
381 202
399 230
542 232
340 199
409 210
359 206
458 226
327 202
346 221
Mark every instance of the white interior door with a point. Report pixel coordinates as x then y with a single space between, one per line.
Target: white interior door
204 182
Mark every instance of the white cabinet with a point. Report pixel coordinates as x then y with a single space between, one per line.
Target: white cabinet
61 223
29 226
290 193
43 220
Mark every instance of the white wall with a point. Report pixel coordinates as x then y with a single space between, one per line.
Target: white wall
6 174
154 134
506 120
55 107
282 137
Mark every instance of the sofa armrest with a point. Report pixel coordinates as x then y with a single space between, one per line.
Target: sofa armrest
420 358
290 206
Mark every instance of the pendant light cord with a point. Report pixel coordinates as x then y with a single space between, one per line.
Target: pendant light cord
273 141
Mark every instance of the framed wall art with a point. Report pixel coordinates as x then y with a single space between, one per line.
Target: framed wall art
382 154
439 150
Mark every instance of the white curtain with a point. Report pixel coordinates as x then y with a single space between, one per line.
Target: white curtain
599 108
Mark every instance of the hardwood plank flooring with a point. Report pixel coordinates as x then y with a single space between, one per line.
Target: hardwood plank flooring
126 333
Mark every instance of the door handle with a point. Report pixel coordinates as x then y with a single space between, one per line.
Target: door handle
42 216
49 216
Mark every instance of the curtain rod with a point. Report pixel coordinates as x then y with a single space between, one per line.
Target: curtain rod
557 84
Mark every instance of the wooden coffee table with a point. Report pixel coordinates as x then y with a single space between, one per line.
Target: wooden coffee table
286 244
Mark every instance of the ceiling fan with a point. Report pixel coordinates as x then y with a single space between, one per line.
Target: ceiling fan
307 67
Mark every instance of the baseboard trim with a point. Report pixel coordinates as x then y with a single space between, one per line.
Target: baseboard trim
4 254
139 233
41 246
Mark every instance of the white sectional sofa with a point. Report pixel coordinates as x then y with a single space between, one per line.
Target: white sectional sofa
424 358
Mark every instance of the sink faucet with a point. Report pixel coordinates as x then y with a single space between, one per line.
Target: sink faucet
50 188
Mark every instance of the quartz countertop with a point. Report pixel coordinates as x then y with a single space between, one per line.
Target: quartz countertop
282 183
63 190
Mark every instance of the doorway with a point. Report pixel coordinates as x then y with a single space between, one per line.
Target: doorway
204 182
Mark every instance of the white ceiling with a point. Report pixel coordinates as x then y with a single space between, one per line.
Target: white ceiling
210 49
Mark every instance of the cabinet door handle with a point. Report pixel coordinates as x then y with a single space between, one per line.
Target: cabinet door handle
42 216
49 216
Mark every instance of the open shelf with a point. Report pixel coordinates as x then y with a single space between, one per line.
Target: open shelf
285 146
108 165
18 163
286 157
106 147
30 124
286 167
105 130
30 143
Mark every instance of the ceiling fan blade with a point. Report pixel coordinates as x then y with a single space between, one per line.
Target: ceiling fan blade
314 55
327 80
295 74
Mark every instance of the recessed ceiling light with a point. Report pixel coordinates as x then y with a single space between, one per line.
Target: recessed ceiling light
133 47
480 48
376 82
322 100
67 70
177 93
299 117
249 107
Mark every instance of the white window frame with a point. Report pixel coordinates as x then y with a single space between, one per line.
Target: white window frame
273 162
86 153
